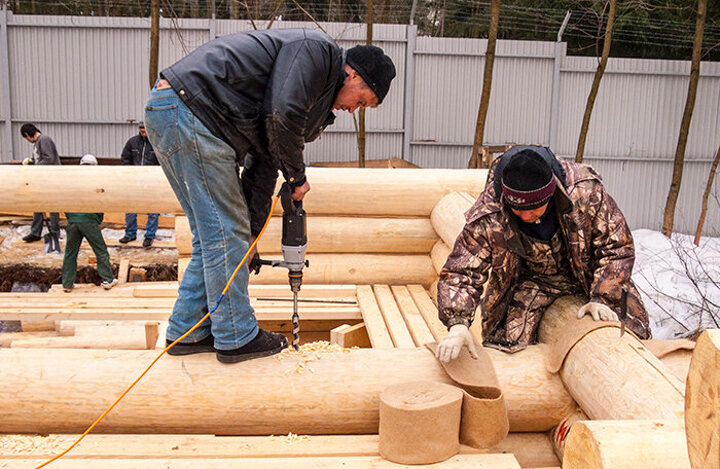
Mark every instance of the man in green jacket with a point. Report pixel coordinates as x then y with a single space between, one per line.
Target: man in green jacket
86 225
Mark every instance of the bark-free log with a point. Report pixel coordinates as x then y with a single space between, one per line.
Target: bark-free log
144 189
340 234
448 216
625 444
196 394
439 255
702 403
613 377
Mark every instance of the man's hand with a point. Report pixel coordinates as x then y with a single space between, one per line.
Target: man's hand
598 311
300 191
251 255
452 344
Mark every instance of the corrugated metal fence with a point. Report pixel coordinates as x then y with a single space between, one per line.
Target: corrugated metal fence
84 80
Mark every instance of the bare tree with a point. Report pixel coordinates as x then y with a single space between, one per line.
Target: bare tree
154 40
596 83
706 195
361 113
669 216
487 84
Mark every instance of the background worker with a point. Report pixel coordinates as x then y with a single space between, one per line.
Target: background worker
139 152
254 99
86 225
44 153
547 228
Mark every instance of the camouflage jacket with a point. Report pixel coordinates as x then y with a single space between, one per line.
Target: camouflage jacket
488 253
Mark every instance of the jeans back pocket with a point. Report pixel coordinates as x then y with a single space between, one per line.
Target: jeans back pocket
161 123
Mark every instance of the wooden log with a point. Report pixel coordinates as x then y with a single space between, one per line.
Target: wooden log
448 216
678 362
144 189
613 377
530 449
460 461
75 386
137 274
626 444
439 254
340 235
702 419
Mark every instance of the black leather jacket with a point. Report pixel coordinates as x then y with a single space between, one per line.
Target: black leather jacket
138 152
265 93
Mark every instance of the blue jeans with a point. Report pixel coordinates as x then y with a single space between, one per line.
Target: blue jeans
150 228
203 173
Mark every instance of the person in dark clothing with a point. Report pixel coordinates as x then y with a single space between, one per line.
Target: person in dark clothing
86 225
541 229
139 152
253 99
44 153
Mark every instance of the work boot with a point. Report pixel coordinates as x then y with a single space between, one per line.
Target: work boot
147 242
31 238
263 345
126 239
110 284
205 345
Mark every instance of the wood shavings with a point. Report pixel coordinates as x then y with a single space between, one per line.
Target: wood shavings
29 444
291 438
309 352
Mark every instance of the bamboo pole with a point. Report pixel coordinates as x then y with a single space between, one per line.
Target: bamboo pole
337 394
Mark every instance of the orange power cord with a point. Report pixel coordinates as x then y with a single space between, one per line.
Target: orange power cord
99 419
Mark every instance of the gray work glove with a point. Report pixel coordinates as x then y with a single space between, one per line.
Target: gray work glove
598 311
449 348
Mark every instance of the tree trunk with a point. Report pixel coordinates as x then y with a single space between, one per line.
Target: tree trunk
669 216
596 84
706 195
487 83
154 40
362 138
234 9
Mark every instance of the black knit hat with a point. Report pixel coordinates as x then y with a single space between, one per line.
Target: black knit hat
527 181
376 68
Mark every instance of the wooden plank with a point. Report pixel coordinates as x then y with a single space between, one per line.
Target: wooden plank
393 319
374 322
461 461
123 271
351 336
428 311
415 322
339 291
210 446
152 333
7 337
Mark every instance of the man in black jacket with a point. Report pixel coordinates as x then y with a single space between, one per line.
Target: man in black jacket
139 152
252 99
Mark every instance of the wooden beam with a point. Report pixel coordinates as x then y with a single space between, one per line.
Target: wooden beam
416 324
341 292
76 386
145 189
461 461
702 418
428 311
351 336
374 322
393 319
626 444
636 386
123 271
152 333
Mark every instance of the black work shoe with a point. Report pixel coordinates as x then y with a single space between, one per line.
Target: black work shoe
125 239
205 345
31 238
147 242
263 345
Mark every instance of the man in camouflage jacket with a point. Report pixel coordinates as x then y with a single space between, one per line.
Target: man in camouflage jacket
579 243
